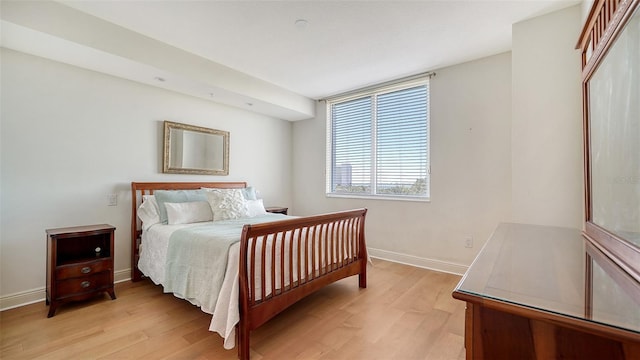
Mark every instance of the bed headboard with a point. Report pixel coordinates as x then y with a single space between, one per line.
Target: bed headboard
138 189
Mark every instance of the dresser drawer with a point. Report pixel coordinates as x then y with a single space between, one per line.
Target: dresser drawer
83 269
81 285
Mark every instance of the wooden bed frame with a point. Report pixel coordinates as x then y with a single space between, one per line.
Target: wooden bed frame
332 247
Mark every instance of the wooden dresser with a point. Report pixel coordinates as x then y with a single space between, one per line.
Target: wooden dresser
79 263
537 292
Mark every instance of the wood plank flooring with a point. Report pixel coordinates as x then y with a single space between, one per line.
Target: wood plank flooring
405 313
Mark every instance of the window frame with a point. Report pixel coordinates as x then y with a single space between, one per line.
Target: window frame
375 92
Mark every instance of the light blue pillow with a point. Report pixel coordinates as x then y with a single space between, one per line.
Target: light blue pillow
249 193
176 196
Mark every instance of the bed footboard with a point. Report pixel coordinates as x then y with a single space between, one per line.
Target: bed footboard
282 262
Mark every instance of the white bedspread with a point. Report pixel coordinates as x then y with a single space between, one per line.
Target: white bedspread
226 314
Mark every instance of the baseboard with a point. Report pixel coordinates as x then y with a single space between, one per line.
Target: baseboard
21 299
122 275
37 295
431 264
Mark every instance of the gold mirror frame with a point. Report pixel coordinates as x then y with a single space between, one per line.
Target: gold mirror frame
210 154
606 21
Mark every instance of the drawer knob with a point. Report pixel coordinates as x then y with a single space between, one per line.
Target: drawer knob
85 270
85 284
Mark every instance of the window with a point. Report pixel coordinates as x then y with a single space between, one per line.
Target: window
378 143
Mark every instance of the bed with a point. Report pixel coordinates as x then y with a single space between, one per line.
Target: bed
268 261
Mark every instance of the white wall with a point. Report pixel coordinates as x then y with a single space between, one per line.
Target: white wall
585 7
71 136
470 171
506 146
547 120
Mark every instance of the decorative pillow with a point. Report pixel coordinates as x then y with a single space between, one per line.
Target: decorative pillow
176 196
255 208
227 204
148 211
250 193
188 212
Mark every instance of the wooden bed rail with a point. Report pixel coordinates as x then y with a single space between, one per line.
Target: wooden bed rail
282 262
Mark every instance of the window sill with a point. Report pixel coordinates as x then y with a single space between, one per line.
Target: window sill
380 197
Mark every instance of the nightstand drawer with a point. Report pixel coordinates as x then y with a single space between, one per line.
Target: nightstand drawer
81 285
83 269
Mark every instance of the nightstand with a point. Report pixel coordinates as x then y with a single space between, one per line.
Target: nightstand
277 210
79 264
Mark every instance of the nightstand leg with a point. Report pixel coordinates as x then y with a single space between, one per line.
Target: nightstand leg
52 310
112 294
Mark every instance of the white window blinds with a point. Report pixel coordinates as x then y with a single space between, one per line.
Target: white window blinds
352 158
379 143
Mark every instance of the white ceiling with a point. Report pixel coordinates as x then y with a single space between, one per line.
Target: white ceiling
345 45
251 54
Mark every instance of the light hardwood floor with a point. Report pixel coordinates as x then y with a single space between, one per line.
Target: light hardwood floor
405 313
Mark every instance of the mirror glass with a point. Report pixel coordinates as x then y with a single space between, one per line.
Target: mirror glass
192 149
613 299
614 124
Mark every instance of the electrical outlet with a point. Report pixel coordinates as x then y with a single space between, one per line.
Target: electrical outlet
468 242
112 200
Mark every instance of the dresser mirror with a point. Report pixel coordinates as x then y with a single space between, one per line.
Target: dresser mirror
610 47
611 295
190 149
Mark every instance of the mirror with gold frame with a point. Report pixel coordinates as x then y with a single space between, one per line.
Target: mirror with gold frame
190 149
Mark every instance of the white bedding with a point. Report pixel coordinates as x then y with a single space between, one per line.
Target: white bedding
226 314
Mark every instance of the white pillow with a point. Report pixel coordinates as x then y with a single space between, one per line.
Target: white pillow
255 208
148 211
188 212
227 204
